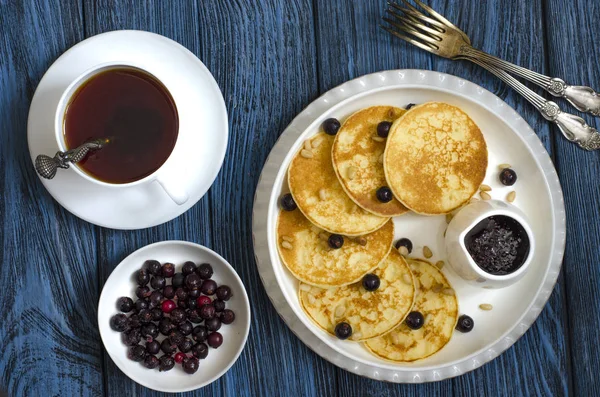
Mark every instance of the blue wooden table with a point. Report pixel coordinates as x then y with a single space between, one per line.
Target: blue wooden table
271 58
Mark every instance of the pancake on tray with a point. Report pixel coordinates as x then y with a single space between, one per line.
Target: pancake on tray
437 302
370 314
435 158
319 195
358 159
305 251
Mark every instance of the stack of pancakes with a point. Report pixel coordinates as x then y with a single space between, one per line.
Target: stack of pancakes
433 160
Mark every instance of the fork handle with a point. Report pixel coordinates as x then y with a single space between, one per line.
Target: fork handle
574 128
583 98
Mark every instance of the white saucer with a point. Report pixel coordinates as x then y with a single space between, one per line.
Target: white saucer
145 205
510 140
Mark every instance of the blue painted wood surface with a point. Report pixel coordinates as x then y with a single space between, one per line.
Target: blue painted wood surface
271 58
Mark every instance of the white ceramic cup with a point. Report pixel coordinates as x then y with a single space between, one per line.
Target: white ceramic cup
165 175
459 258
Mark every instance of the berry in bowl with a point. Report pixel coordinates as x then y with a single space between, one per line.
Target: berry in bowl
174 316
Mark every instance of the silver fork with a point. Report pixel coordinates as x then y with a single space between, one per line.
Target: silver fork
585 99
437 35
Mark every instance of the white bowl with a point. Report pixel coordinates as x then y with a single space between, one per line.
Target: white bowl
121 283
460 259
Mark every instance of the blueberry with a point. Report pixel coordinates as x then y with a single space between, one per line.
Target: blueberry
186 328
178 280
213 324
153 347
223 293
188 268
370 282
219 305
194 316
410 105
134 321
383 128
215 340
404 242
145 316
143 277
156 298
190 365
343 330
205 271
169 292
465 323
331 126
142 292
150 330
157 314
167 346
132 337
176 337
200 350
207 312
151 361
181 293
142 304
508 177
154 267
414 320
335 241
166 363
194 293
288 203
200 333
165 326
137 353
168 270
193 281
158 282
384 194
227 316
125 304
192 303
186 345
119 322
178 316
208 287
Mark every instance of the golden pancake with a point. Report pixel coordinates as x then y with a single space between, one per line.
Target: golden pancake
320 196
437 302
435 158
358 159
369 313
305 252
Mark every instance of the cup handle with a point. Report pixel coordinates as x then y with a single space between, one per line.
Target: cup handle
177 194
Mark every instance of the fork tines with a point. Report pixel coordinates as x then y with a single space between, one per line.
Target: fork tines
413 26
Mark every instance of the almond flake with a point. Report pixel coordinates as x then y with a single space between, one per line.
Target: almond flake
485 196
427 252
361 241
316 143
340 310
503 166
403 250
351 172
304 287
287 238
286 245
485 306
307 145
377 138
439 264
485 188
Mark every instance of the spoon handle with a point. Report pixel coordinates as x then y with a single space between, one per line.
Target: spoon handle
47 166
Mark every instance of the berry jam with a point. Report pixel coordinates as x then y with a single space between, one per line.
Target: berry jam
498 244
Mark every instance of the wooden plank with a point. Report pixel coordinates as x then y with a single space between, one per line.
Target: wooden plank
573 54
350 44
262 55
51 344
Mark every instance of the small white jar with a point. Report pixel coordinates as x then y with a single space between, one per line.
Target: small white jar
458 256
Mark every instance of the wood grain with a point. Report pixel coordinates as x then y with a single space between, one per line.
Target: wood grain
573 55
49 293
